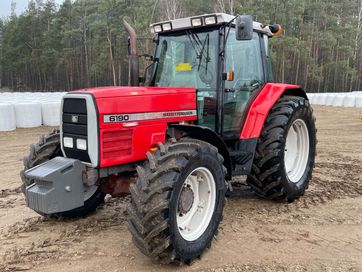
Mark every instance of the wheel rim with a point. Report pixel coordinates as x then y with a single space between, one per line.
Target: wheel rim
296 150
196 204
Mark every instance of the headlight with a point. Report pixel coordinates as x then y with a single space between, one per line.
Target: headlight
196 22
167 27
81 144
157 28
210 20
68 142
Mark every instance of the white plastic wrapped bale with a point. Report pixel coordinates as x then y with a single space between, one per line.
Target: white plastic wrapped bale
316 99
338 101
359 101
51 113
349 101
28 115
323 99
330 99
311 97
7 117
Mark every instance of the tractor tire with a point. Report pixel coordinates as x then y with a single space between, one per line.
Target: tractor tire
46 149
177 201
285 153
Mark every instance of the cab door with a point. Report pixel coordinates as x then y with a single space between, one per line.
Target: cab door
244 59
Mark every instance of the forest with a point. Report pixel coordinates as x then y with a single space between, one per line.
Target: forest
82 43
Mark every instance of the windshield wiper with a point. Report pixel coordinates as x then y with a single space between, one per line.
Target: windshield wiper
207 41
199 47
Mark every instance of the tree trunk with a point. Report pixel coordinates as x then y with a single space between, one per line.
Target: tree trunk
109 39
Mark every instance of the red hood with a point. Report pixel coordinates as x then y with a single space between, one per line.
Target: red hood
118 91
140 116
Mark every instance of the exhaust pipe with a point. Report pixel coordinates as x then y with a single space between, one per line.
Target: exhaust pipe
133 75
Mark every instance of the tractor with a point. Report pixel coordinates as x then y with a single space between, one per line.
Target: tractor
209 110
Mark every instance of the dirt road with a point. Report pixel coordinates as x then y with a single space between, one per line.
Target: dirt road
320 232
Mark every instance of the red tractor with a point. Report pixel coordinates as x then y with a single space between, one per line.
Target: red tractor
210 111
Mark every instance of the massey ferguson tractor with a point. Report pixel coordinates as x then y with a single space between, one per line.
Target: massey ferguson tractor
209 111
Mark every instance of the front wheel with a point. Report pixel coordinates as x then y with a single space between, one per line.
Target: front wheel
177 201
286 149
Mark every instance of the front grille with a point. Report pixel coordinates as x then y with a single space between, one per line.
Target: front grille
75 125
117 144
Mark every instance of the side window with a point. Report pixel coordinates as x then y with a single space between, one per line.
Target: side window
244 59
268 59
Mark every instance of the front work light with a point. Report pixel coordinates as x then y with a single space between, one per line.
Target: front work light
196 21
167 27
81 144
157 28
210 20
68 142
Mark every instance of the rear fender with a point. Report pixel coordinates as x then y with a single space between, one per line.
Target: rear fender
263 103
207 135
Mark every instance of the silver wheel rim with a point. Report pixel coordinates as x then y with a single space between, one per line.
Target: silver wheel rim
193 222
296 150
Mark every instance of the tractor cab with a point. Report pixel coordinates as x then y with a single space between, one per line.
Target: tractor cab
225 59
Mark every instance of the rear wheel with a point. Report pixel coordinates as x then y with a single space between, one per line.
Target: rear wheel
285 154
46 149
177 201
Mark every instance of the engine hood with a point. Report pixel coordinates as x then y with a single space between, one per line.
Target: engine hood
112 92
123 123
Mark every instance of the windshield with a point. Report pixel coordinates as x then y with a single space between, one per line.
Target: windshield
187 59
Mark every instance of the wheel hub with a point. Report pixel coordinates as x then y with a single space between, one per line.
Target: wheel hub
186 200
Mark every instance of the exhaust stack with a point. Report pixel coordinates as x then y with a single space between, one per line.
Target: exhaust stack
133 76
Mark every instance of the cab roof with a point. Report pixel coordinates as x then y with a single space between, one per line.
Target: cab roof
214 18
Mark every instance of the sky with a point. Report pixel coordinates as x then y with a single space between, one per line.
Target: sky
21 5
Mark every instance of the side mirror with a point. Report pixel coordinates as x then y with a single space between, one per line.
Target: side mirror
244 28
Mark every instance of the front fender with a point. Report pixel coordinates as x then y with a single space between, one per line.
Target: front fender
210 136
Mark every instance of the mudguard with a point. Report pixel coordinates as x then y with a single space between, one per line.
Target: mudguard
263 103
210 136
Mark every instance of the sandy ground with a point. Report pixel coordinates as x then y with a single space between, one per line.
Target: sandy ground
320 232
